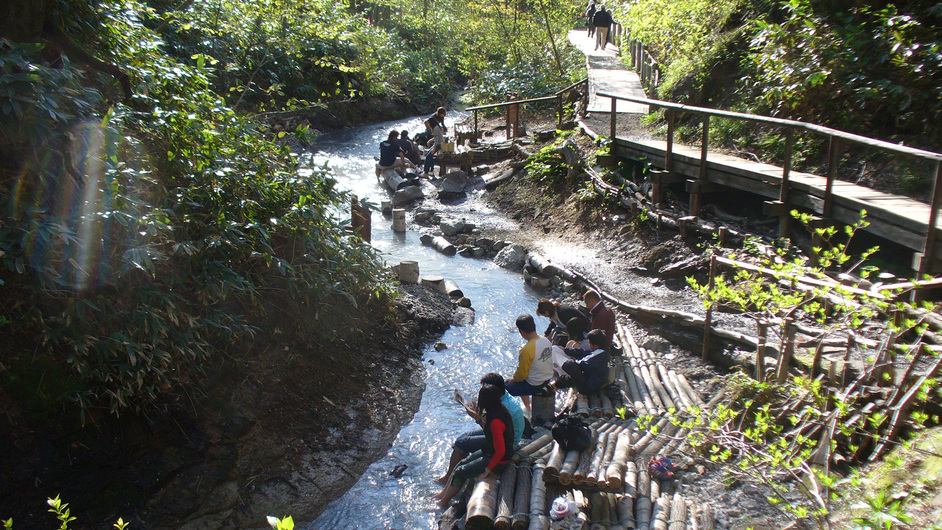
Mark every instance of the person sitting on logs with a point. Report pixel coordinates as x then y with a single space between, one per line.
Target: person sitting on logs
534 362
587 370
573 338
498 435
409 149
473 441
602 317
559 316
391 155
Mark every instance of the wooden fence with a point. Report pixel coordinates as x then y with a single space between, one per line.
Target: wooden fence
512 108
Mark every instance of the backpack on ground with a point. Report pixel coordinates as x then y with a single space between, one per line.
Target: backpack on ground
571 433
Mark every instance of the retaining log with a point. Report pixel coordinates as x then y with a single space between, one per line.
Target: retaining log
398 220
538 518
663 438
521 514
543 266
693 516
598 456
482 506
646 440
543 408
707 517
433 282
505 502
693 394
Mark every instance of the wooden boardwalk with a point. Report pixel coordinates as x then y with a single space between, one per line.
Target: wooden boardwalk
893 217
608 74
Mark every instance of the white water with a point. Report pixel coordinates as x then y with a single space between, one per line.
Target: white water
377 500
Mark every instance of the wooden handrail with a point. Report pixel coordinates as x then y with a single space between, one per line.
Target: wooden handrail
795 124
584 81
515 102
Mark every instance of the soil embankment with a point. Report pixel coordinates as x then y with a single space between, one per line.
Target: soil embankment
283 426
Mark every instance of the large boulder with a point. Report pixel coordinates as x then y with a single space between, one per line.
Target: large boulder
511 257
452 228
455 182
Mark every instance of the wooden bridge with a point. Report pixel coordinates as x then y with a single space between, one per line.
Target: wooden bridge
893 217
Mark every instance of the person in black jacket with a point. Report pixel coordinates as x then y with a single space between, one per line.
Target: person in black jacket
603 22
558 315
587 370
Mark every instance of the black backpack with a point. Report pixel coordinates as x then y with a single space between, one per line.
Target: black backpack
571 433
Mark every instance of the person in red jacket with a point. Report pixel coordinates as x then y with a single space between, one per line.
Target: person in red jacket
498 447
602 317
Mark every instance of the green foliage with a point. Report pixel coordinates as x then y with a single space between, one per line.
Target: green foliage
286 523
883 62
64 516
685 36
547 166
883 512
138 246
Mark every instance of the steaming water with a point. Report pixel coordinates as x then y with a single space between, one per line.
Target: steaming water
377 500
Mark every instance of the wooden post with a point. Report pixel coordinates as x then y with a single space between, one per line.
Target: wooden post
833 154
721 234
787 350
784 219
696 196
399 220
559 110
763 333
475 125
669 154
928 254
851 344
614 104
708 325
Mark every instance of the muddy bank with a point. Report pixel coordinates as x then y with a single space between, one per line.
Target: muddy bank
283 426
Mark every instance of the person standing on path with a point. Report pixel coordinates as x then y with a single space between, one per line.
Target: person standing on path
603 22
437 125
589 15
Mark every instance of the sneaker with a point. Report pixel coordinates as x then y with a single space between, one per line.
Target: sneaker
545 390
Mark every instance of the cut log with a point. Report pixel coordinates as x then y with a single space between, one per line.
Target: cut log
538 516
482 506
662 439
707 517
626 512
662 512
691 393
648 438
442 245
693 516
598 456
643 512
409 271
433 282
631 480
555 462
569 467
505 502
521 514
543 266
615 473
534 446
678 517
398 220
452 290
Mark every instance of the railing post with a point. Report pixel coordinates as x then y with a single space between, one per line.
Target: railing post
613 116
559 111
475 126
928 254
784 219
834 146
696 195
708 323
669 154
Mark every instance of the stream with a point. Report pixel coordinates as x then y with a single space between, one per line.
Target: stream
379 500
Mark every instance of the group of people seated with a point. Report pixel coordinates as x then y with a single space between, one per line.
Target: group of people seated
573 352
399 151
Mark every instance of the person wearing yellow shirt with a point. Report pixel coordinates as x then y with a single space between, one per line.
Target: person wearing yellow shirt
534 363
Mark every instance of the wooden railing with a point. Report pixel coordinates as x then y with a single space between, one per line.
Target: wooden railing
513 106
836 140
645 64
